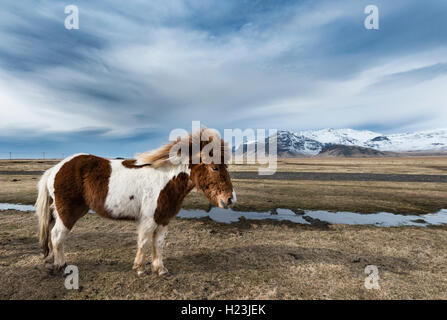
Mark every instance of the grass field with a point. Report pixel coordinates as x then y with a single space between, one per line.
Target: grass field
400 165
267 194
215 261
248 259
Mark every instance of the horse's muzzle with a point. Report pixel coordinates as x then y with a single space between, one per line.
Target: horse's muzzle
226 202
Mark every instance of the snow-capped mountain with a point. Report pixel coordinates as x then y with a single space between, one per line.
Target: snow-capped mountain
348 137
433 140
297 144
312 142
414 141
287 143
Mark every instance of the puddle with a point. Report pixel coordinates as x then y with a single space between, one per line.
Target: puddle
382 219
228 215
18 207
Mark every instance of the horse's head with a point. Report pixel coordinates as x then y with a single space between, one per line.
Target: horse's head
209 171
214 180
207 155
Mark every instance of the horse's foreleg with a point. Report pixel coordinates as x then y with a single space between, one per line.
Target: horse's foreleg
145 230
158 238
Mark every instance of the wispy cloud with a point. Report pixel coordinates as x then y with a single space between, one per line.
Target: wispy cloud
134 71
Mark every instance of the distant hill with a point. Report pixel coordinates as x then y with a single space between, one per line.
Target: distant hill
361 143
338 150
433 140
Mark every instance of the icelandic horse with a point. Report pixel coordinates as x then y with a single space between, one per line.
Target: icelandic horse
149 189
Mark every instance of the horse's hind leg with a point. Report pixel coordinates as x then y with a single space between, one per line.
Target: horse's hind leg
61 228
49 260
58 235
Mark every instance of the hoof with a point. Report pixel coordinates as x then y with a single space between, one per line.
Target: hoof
165 274
141 270
142 273
161 271
60 269
55 269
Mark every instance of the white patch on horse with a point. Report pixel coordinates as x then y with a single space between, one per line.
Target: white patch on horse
133 193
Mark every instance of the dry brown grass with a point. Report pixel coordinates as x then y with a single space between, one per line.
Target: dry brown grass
400 165
256 260
262 195
354 196
436 165
18 189
26 165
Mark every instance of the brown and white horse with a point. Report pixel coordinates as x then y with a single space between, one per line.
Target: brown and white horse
149 189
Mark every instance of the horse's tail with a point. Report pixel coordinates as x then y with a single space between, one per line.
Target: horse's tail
43 212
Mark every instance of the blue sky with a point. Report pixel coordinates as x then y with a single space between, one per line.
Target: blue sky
135 70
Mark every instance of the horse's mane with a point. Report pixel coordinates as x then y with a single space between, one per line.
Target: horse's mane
161 156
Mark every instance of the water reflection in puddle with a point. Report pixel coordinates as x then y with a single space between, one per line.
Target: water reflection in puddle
228 215
18 207
382 219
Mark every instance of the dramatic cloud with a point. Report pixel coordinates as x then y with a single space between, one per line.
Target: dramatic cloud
136 70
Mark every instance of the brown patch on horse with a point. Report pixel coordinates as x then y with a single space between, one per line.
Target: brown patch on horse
213 179
171 198
130 163
80 184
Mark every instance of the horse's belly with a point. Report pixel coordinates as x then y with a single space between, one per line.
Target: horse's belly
124 207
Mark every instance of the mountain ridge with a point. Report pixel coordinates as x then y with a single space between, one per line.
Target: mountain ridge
314 142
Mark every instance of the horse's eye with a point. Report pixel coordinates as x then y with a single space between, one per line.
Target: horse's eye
215 168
